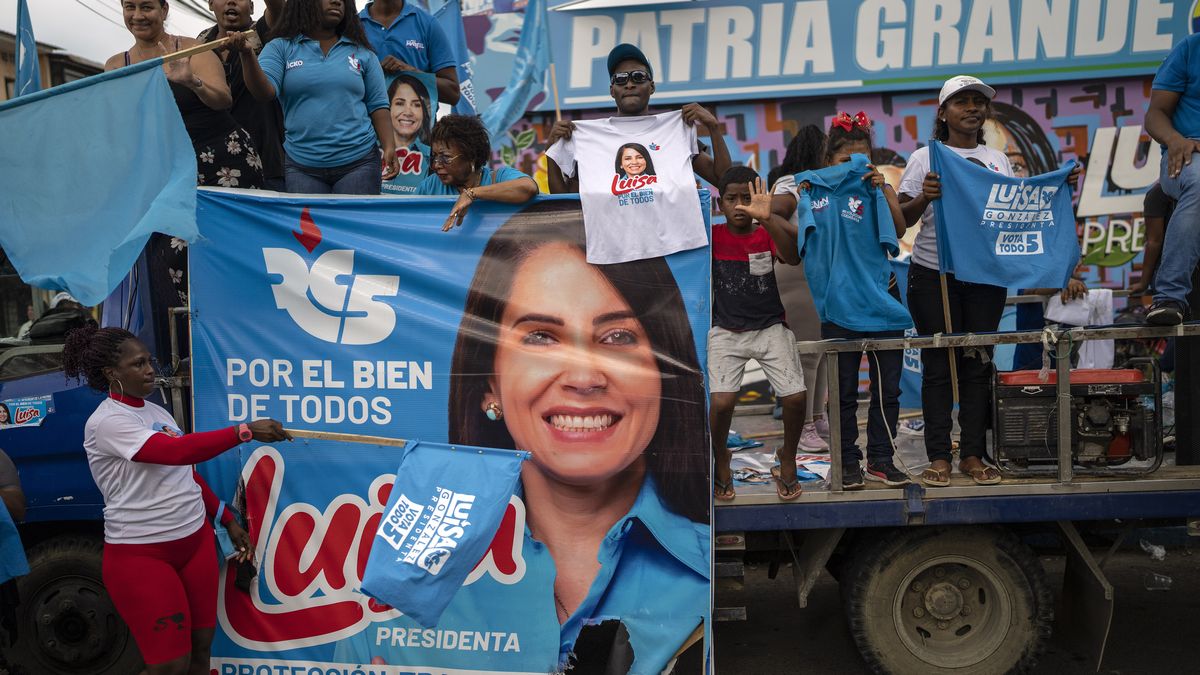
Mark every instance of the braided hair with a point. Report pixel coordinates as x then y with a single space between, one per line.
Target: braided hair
90 349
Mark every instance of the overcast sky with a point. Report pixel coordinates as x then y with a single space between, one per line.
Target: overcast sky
94 35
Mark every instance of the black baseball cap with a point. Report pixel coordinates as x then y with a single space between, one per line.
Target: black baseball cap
627 52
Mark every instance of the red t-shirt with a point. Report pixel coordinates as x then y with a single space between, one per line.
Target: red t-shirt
745 296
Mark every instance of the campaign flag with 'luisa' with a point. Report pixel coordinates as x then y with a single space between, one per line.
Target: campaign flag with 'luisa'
1001 230
74 218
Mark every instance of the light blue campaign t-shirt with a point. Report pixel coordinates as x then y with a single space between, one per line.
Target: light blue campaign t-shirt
1180 73
327 98
414 37
846 234
432 185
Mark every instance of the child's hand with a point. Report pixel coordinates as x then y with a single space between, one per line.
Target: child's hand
874 176
760 202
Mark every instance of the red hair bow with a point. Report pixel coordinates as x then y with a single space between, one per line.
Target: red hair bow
846 122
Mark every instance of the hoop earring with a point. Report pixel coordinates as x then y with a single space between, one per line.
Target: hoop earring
118 382
493 411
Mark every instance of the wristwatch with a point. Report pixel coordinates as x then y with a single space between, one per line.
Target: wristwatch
244 433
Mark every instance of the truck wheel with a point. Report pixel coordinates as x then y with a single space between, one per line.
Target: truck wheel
66 623
961 600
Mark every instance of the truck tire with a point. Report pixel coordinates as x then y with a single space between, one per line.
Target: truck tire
66 623
948 600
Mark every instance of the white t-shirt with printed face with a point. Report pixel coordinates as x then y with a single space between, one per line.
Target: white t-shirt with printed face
636 185
143 503
925 246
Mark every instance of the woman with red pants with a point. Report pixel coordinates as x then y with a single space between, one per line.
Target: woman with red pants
160 562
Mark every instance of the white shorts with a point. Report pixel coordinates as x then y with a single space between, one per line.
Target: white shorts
774 347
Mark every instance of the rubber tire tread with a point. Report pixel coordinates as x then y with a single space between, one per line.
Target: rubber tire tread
77 555
879 557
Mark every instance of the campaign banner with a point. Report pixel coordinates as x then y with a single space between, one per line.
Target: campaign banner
1001 230
709 50
27 411
412 108
360 316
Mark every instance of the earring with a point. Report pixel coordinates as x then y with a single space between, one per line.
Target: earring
493 411
118 383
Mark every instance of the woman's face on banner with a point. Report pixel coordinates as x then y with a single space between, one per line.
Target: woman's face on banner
3 415
407 113
632 162
575 373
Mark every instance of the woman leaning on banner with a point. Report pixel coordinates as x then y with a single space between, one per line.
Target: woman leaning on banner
460 151
160 563
335 107
964 105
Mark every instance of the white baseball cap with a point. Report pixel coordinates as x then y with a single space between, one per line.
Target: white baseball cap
964 83
61 297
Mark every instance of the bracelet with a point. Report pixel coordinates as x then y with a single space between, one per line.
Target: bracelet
470 193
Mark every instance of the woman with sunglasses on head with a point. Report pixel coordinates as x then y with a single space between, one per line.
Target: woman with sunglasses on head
160 562
460 150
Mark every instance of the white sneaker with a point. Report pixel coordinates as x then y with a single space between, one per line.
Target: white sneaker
822 424
810 441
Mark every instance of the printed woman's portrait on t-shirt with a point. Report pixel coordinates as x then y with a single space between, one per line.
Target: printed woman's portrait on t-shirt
633 159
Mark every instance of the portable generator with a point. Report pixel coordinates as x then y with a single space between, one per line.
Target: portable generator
1112 419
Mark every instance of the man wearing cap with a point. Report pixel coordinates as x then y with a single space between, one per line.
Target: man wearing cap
1173 119
407 38
631 83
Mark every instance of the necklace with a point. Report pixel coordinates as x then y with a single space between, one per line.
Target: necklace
562 607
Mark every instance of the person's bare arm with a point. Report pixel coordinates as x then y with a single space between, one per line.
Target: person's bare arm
1151 254
14 501
558 182
447 85
273 11
257 82
708 167
381 121
913 207
207 76
1161 129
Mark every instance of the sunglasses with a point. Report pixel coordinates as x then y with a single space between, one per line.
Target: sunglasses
638 77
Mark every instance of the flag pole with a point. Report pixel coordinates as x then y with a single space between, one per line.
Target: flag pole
200 48
554 90
949 329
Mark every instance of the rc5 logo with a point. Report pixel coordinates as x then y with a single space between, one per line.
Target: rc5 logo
328 301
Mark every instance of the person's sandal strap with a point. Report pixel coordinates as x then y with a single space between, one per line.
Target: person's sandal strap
935 478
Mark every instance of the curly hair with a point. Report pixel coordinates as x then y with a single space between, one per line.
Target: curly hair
90 349
804 153
468 134
736 175
839 137
301 16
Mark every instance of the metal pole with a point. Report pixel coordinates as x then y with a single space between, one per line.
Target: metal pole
835 422
1063 389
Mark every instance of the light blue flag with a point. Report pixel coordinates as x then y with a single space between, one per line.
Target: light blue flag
90 170
29 78
443 512
1011 232
449 17
528 76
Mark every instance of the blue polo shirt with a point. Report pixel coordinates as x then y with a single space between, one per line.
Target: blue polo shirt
414 37
432 185
327 99
1180 73
846 234
651 552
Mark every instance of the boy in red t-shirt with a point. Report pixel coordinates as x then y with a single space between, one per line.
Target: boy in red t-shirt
748 323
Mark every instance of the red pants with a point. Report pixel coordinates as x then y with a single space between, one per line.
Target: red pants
164 591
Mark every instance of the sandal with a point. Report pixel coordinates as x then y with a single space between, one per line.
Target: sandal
982 474
784 488
723 492
936 477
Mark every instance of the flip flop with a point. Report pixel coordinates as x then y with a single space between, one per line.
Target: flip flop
936 477
982 474
784 489
723 492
